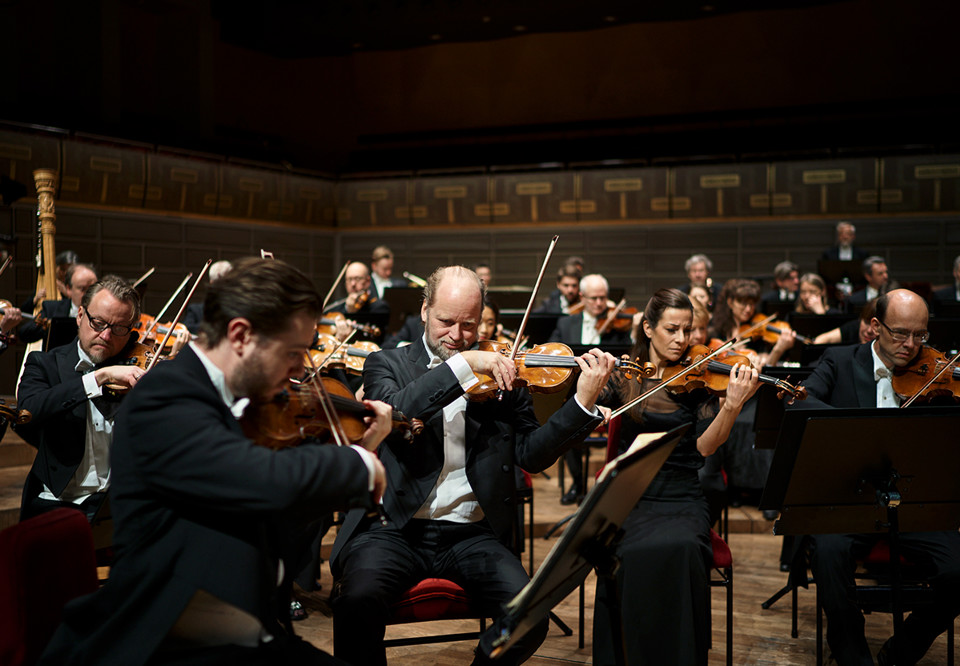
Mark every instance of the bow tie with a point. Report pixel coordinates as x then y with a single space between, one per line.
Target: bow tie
434 362
882 373
84 366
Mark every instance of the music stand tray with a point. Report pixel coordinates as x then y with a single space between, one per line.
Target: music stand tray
589 542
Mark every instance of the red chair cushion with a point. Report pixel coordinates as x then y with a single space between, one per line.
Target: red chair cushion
722 557
45 562
432 599
879 555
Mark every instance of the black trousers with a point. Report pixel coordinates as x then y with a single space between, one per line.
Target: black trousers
378 565
281 650
832 563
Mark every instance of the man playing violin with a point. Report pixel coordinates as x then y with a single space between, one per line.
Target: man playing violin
72 424
450 498
860 376
360 297
566 294
196 504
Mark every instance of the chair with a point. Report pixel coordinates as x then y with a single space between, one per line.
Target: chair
45 562
914 591
721 561
433 599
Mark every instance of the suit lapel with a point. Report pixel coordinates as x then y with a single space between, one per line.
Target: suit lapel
863 380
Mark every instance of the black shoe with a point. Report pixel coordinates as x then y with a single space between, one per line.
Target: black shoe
770 514
573 496
297 612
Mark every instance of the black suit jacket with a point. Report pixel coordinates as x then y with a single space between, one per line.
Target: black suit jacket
195 505
551 304
843 378
29 331
833 253
569 331
499 435
947 294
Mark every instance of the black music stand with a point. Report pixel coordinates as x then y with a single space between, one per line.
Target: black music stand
62 330
403 301
889 470
589 543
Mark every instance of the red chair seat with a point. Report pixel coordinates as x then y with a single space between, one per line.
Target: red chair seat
432 599
722 557
879 555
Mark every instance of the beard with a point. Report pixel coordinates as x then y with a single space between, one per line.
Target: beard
440 351
251 380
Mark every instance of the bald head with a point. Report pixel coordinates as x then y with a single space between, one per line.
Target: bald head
452 305
357 277
900 323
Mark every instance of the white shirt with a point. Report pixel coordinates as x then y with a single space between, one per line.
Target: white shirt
380 283
588 332
452 497
845 253
93 472
872 293
883 376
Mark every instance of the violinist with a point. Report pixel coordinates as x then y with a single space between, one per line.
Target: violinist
737 306
566 294
877 275
786 277
663 581
196 503
584 328
361 298
860 376
79 278
449 496
698 268
73 421
950 293
8 324
858 330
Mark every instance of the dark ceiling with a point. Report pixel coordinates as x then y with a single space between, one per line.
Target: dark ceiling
305 28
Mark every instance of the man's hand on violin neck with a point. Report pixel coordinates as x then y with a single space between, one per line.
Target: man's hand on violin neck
123 375
595 369
379 426
492 364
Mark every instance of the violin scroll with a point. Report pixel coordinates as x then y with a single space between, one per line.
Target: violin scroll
13 415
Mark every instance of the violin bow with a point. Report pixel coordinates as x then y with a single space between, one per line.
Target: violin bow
6 262
515 347
937 376
176 320
336 282
609 321
662 385
339 436
141 278
336 349
170 300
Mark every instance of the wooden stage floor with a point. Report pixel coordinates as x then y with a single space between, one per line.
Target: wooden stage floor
760 636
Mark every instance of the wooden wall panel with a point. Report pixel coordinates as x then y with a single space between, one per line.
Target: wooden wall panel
839 186
252 194
724 190
548 196
21 153
371 203
625 194
181 184
313 200
919 183
102 175
453 200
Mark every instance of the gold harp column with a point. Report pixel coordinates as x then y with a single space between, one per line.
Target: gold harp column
46 183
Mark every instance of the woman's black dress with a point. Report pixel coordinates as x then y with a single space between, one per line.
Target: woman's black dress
663 581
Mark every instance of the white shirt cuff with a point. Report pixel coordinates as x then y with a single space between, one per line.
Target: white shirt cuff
367 459
595 412
90 386
463 372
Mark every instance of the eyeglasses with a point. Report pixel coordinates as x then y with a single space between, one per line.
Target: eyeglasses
99 325
901 336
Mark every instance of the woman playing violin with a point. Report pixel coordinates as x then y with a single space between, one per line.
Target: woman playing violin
663 576
737 306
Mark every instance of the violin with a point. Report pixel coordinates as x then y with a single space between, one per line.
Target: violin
43 322
328 325
545 368
714 375
152 330
617 318
349 357
11 414
932 374
298 413
363 299
765 327
139 355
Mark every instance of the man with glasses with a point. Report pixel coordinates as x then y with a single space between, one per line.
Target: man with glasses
72 424
360 298
860 376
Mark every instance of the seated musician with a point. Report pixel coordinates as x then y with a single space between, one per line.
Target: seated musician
786 276
584 328
844 249
846 377
662 586
196 504
877 275
813 296
12 317
950 293
73 421
737 306
449 499
567 292
698 268
361 298
854 331
79 278
381 267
